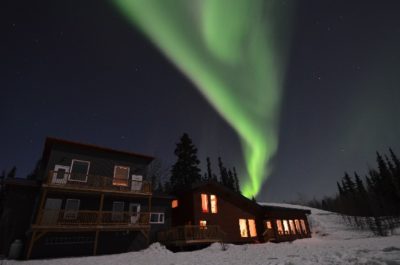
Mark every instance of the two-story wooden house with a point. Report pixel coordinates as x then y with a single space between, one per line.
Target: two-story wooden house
94 200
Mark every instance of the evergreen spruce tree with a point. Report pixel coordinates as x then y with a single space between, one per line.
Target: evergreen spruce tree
186 170
12 172
209 171
237 185
231 181
223 173
339 189
34 175
395 160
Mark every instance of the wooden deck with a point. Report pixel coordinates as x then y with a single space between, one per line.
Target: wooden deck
94 183
190 235
56 219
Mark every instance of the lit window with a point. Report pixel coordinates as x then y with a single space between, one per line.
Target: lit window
156 218
79 170
203 224
243 228
286 227
292 228
213 200
174 204
303 226
121 175
204 203
252 227
269 225
71 209
279 226
297 223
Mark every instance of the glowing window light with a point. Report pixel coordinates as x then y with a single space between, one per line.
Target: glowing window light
292 228
204 203
252 227
243 228
213 200
280 227
286 227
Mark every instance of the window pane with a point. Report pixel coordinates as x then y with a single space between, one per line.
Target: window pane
174 203
252 227
286 227
243 228
292 228
72 204
213 200
80 167
269 225
79 170
154 218
71 208
60 173
117 211
279 226
203 223
303 226
121 175
118 206
204 203
297 223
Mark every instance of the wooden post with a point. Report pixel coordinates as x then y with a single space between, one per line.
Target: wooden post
95 242
148 231
28 255
41 206
99 217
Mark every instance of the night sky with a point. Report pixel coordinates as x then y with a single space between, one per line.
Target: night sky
78 70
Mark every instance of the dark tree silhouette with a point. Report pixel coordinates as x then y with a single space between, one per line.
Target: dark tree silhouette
186 170
12 172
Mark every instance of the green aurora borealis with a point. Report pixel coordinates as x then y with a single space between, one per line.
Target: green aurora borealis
235 52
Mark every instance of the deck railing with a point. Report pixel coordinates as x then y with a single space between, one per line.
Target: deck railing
187 233
66 179
88 218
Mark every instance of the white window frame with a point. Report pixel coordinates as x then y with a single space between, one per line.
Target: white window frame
56 180
127 178
131 212
71 214
70 170
158 218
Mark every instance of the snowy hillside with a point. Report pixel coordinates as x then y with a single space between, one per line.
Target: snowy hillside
332 243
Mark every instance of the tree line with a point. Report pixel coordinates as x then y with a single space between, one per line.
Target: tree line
186 170
371 202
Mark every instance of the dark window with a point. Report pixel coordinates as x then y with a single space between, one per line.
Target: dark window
118 211
79 170
157 218
71 209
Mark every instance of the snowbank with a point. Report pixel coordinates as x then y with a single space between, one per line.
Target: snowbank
333 243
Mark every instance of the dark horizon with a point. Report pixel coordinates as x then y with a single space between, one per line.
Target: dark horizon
81 72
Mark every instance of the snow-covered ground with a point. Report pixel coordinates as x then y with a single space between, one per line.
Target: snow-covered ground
332 243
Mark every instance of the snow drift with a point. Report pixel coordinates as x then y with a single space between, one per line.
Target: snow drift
332 242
